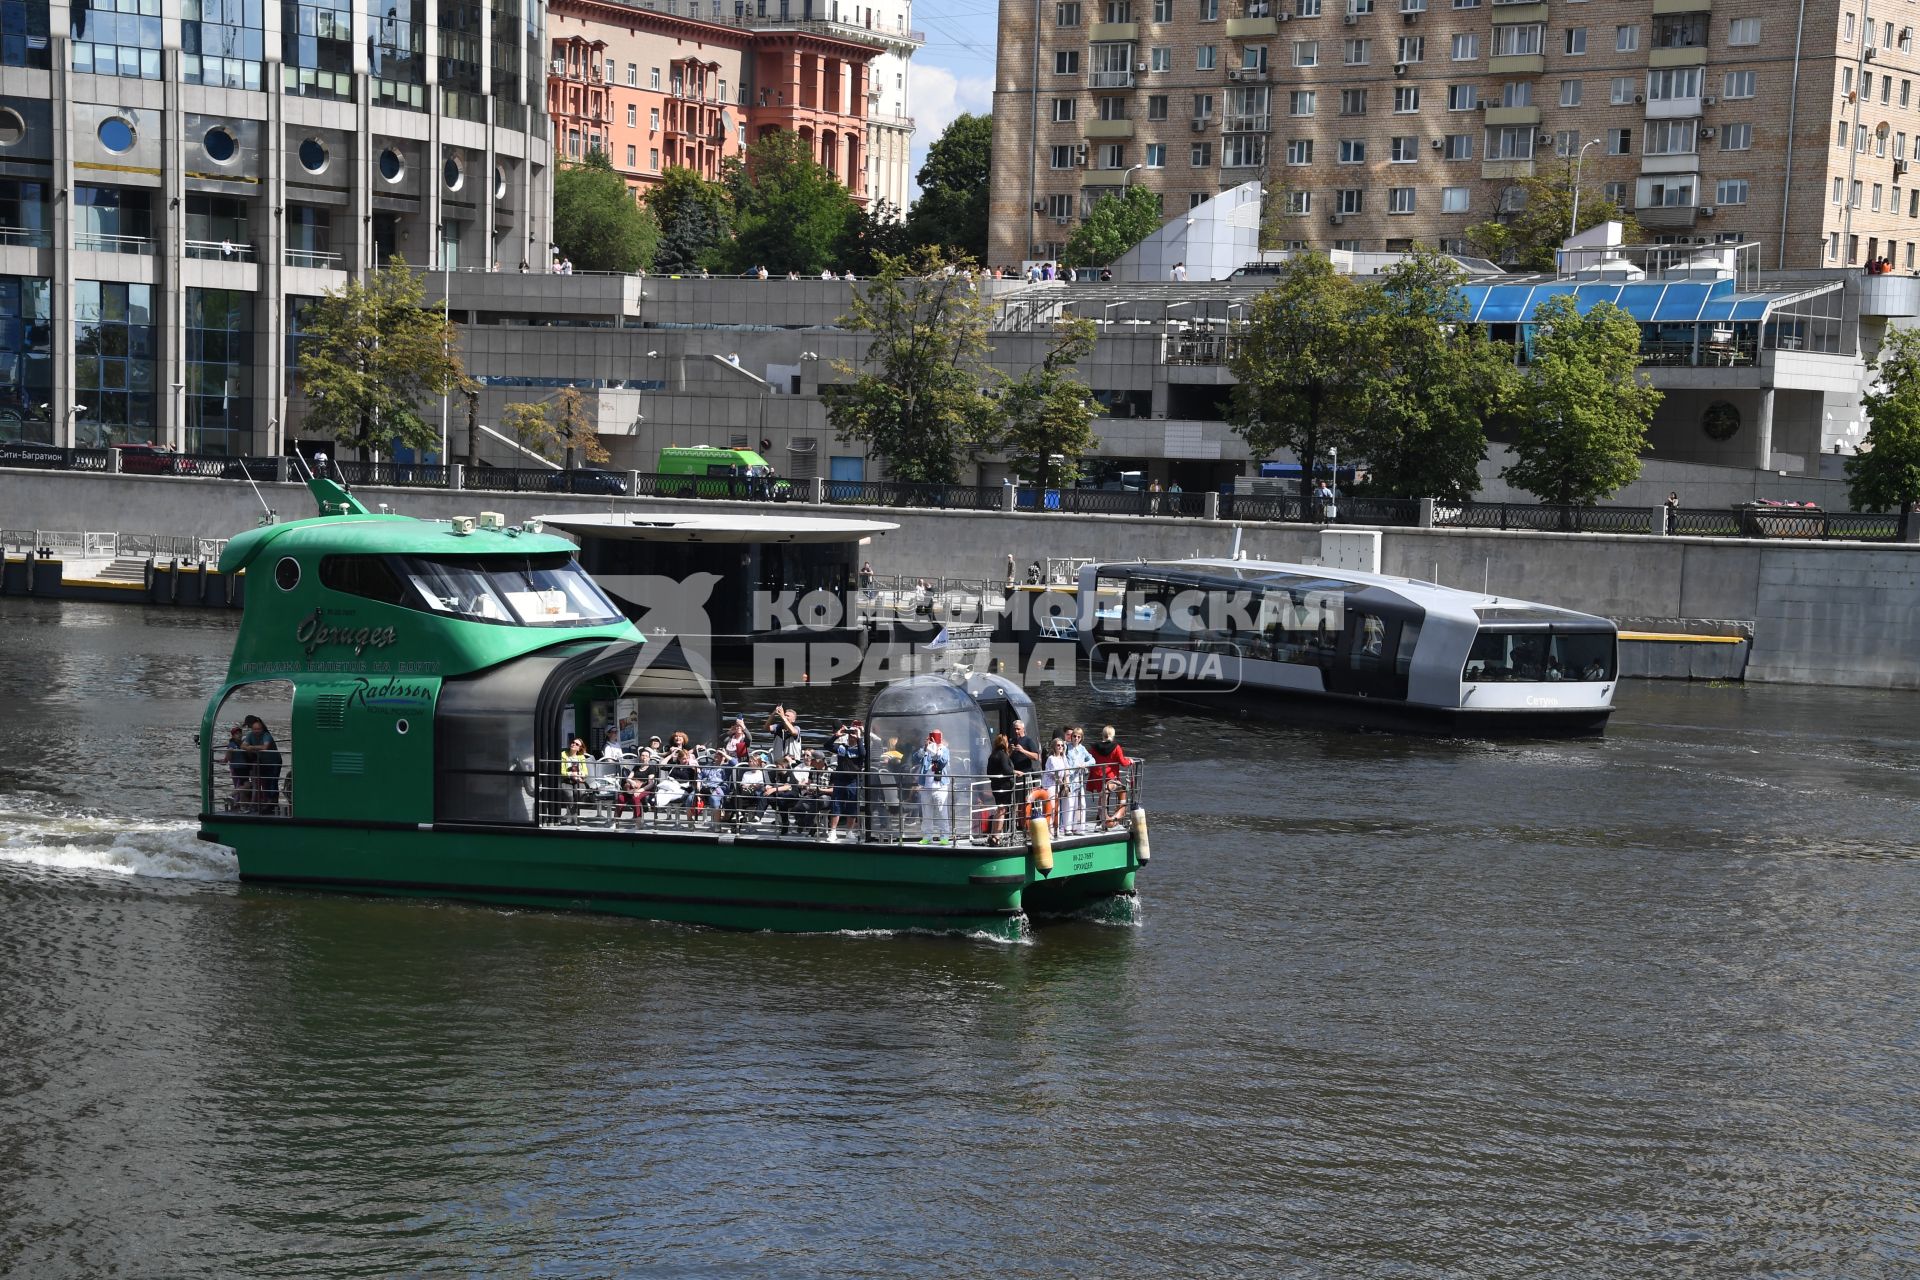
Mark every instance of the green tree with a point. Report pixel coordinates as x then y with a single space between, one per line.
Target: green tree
1299 360
916 399
1424 430
1528 237
789 212
1115 224
951 212
871 234
1583 406
1886 471
596 224
560 427
1047 413
693 216
370 353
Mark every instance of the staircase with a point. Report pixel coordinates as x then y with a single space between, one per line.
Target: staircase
125 569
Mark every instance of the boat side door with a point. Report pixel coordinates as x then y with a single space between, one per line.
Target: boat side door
1364 664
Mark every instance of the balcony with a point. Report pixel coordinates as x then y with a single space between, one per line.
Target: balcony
1503 14
1109 129
1517 64
1113 33
1694 57
1497 116
219 251
26 237
1252 19
1507 169
1667 217
1673 162
1248 124
1110 79
315 258
1663 7
100 242
1673 108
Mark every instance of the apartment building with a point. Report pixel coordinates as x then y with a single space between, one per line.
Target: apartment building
655 90
1377 123
179 177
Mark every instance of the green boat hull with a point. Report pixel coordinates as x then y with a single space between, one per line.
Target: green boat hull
756 883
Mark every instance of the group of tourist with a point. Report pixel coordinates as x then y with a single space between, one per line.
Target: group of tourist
253 763
848 787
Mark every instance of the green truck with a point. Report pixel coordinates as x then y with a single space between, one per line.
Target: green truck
712 472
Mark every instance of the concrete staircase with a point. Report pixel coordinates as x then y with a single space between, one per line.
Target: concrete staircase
125 569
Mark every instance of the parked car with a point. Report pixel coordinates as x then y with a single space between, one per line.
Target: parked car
152 460
251 469
587 480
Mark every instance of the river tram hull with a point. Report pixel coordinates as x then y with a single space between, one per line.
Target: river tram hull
693 877
1305 706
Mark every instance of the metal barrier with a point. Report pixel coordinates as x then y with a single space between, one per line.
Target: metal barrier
813 802
512 479
1544 518
404 475
894 493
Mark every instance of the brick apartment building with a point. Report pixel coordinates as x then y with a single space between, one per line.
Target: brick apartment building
655 89
1377 123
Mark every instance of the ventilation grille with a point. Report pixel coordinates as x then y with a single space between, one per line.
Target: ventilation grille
351 762
803 457
330 711
739 440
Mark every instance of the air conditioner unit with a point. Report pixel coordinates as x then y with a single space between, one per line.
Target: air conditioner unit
1708 100
1409 17
1233 75
1285 16
1899 168
1063 219
1639 98
1870 54
1706 211
1139 67
1708 133
1080 155
1400 68
1439 143
1351 19
1337 218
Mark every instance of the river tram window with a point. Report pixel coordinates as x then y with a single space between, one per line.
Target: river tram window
1539 655
528 591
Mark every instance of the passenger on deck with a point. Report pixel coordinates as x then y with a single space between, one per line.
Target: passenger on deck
240 770
849 763
1108 779
784 725
1073 812
782 793
748 796
611 748
931 765
1055 772
739 743
1001 775
711 783
636 789
575 764
264 755
815 786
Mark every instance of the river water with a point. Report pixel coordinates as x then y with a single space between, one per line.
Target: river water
1394 1007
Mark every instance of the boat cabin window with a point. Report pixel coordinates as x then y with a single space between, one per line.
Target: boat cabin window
1540 655
529 591
369 577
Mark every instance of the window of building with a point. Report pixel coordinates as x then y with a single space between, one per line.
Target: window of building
1305 8
1299 202
1736 137
1730 191
1300 151
1353 151
1670 137
1353 102
108 43
1406 99
633 157
1742 31
653 119
1516 38
1665 192
633 116
1067 15
1300 102
1626 39
1306 53
1879 144
1112 155
653 159
1202 106
1157 106
1739 84
1453 199
1466 46
653 77
1400 200
1564 141
27 42
1063 156
1570 93
1156 155
1411 49
1201 155
1458 146
1619 142
1253 57
114 362
1516 93
1063 109
1358 53
1113 107
1243 151
1616 192
1209 10
633 75
1576 41
1160 59
1855 202
1674 82
219 352
1463 97
1205 57
1350 200
1879 193
26 339
1066 62
1163 10
1847 21
1510 142
1403 150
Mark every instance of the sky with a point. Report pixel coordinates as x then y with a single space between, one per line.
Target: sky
953 72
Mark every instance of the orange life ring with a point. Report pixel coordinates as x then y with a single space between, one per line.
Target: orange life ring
1040 805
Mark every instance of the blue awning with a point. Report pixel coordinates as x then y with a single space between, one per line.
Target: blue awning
1649 302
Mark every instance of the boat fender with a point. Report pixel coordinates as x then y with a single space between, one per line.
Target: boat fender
1142 850
1042 840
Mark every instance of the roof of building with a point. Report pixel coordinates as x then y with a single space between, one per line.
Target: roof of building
1648 301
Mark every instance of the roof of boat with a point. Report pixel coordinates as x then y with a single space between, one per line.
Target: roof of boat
386 535
1430 595
674 526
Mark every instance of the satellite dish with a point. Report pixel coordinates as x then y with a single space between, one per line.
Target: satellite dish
726 122
1881 130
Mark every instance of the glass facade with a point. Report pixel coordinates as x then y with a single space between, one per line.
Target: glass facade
113 219
113 362
509 108
23 212
462 91
396 49
219 403
217 227
116 37
310 236
24 34
316 44
26 359
222 42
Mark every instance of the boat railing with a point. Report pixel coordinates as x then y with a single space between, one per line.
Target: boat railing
874 806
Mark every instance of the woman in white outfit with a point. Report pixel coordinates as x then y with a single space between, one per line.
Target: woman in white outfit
936 789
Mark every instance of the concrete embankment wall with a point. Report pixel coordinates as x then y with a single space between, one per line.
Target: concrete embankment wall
1821 613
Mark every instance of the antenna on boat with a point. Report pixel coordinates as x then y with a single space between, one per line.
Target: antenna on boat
1236 542
269 517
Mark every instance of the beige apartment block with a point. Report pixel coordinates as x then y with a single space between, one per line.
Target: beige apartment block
1378 123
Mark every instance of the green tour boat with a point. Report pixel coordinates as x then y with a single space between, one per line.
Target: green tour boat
412 708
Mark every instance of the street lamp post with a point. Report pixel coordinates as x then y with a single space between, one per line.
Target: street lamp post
1127 177
446 335
1579 162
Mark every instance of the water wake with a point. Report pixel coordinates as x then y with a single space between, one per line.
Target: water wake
115 846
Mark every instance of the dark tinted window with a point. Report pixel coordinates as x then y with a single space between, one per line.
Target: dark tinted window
365 576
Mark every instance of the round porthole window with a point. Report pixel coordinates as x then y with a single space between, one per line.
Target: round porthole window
313 155
400 727
1720 421
499 182
452 172
116 135
221 145
12 128
392 165
286 574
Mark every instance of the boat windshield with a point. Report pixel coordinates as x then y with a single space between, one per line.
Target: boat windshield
529 591
1540 655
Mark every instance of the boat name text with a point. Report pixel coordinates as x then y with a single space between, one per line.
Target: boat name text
313 632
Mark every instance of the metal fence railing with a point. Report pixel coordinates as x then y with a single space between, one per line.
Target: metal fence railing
406 475
813 801
934 497
1544 518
